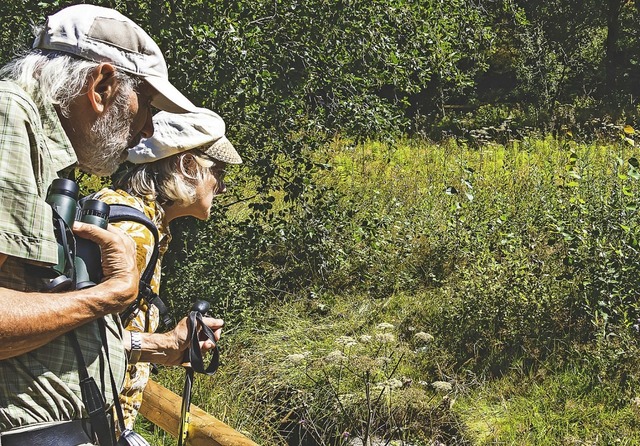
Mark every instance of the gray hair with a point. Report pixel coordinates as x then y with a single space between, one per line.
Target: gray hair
55 77
171 180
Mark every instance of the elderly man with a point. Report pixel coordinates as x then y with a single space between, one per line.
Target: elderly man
81 97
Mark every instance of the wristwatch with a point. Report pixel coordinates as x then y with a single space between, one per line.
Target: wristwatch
136 347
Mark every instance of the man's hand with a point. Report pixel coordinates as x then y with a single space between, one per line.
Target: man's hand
119 268
31 320
169 348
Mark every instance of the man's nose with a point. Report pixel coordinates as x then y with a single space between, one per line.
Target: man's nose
147 129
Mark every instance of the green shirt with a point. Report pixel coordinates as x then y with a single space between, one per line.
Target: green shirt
42 385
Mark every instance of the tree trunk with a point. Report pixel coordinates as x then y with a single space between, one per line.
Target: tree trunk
613 33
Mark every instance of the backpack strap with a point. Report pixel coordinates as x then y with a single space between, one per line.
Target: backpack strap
123 212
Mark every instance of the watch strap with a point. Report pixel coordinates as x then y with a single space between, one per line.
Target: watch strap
136 347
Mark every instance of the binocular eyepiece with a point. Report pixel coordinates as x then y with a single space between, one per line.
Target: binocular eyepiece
79 263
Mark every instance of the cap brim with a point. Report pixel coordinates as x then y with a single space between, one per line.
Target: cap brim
169 98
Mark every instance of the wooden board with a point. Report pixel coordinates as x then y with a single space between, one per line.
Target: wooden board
162 407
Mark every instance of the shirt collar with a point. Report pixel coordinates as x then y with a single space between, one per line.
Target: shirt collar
62 154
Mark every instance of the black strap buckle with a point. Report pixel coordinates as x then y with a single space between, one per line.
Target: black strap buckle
145 292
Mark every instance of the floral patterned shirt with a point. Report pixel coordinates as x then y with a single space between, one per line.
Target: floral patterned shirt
146 318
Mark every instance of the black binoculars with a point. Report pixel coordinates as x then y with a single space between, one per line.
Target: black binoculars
79 262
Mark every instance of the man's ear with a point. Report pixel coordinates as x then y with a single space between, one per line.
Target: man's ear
101 86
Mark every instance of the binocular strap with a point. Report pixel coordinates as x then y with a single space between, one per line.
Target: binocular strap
92 396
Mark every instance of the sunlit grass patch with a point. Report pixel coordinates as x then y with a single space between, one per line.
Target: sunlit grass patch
567 408
328 367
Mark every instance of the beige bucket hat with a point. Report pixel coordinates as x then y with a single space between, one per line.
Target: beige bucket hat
175 133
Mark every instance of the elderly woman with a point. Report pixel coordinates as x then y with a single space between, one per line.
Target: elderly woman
176 173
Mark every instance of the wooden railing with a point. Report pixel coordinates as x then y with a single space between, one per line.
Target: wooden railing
162 407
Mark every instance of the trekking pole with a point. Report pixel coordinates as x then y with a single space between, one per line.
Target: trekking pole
194 357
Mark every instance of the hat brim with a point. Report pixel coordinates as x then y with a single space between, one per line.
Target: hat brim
223 150
169 98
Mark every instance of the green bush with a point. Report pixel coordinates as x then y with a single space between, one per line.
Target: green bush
490 264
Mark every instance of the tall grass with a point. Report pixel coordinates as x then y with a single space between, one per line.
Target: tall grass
446 292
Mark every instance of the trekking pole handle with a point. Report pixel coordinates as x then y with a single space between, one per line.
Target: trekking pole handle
201 306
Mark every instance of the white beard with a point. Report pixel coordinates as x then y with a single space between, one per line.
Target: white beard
108 138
